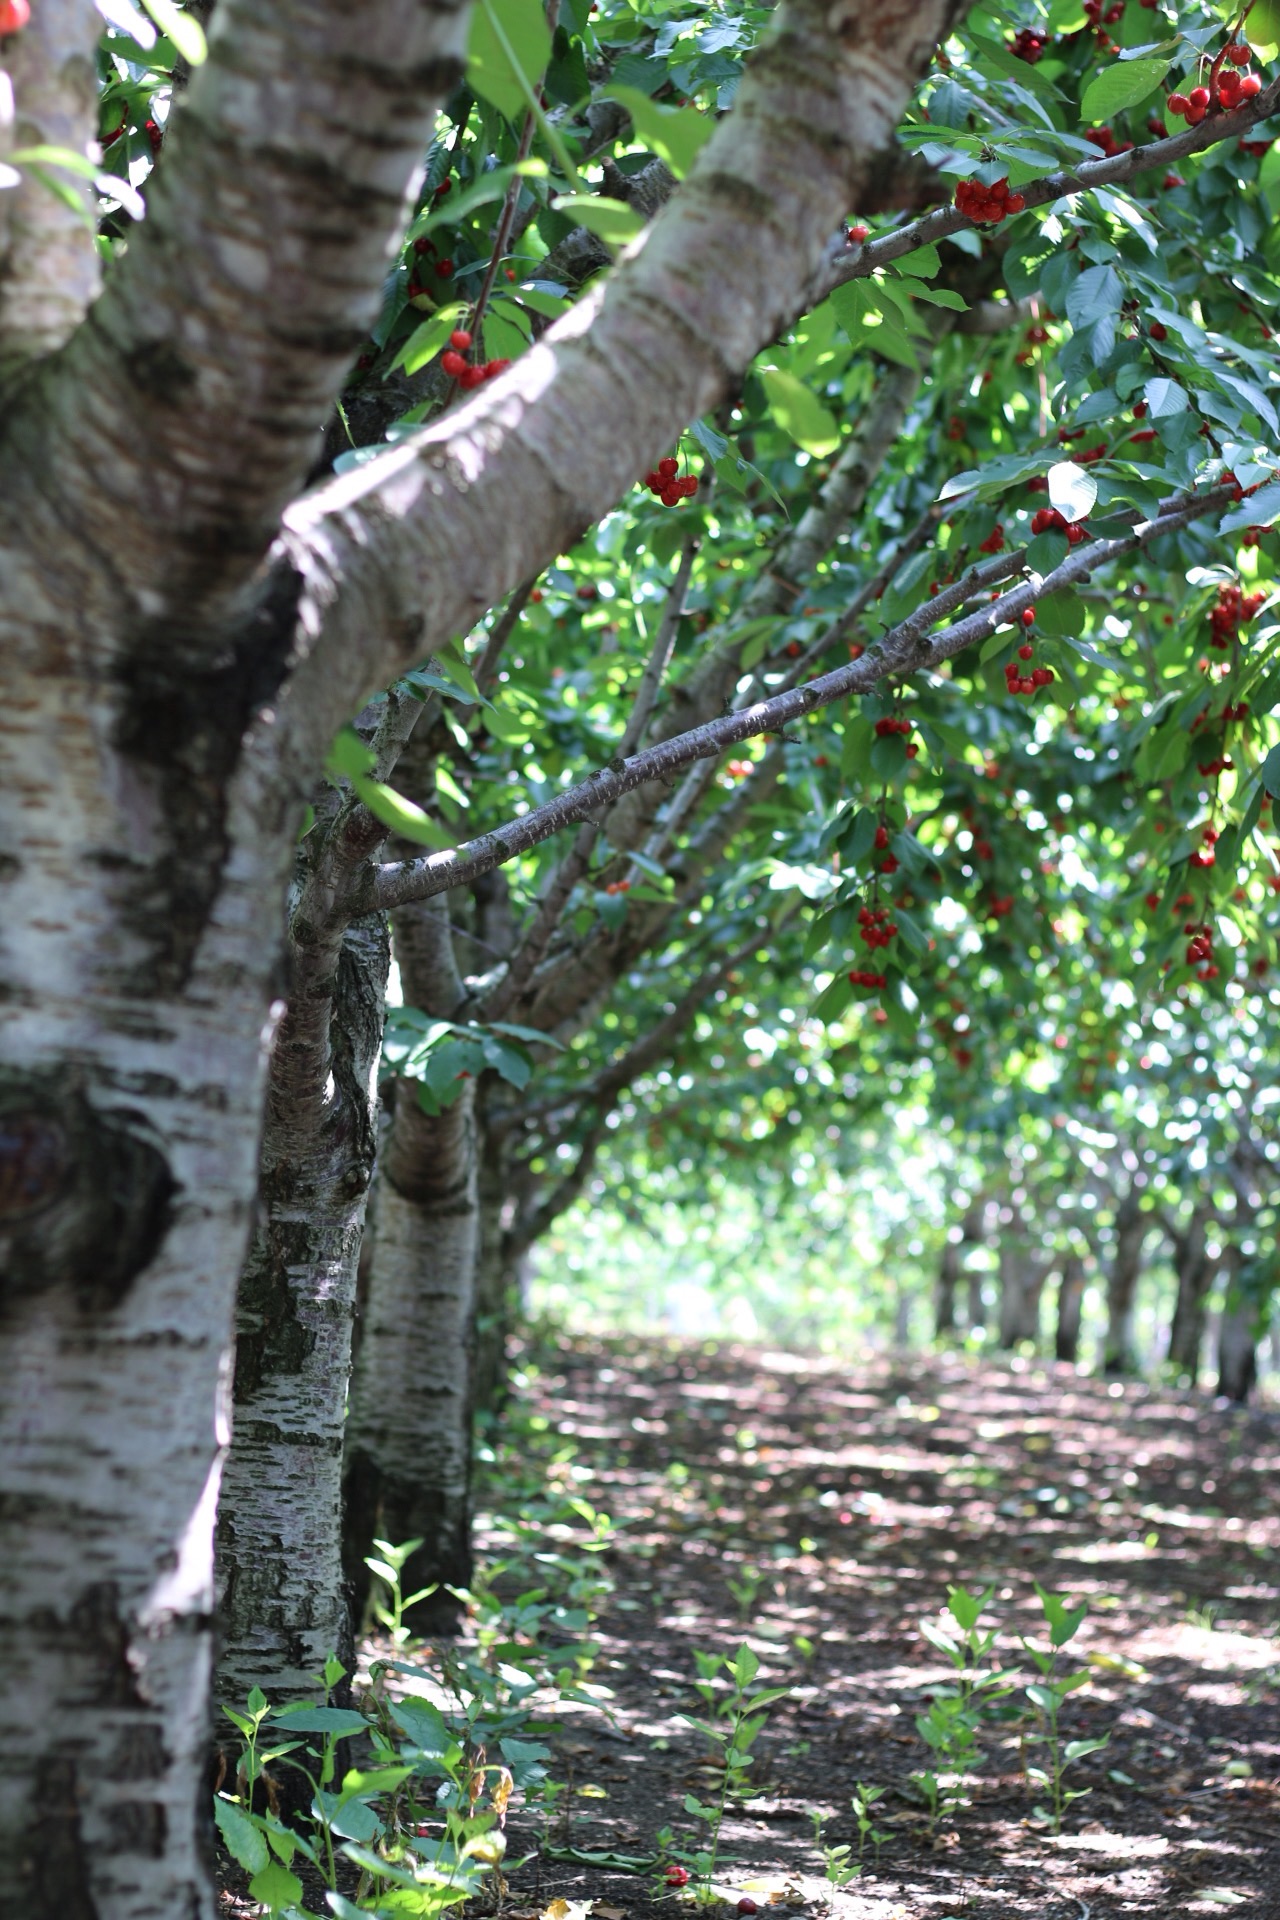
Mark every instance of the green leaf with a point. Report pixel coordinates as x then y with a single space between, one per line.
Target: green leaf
1269 773
506 726
1164 397
612 221
336 1720
426 341
183 29
385 804
507 53
1072 489
347 756
996 477
1258 511
276 1887
799 412
675 134
1124 84
243 1841
1062 613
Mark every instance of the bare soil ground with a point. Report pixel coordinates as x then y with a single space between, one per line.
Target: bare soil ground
858 1493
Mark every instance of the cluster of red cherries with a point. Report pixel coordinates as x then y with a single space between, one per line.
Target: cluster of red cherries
1231 611
889 724
861 977
875 927
1228 87
459 368
665 484
1204 856
1200 950
987 206
1014 678
1049 520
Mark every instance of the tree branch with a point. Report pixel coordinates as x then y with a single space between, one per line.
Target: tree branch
607 1087
907 648
578 859
842 264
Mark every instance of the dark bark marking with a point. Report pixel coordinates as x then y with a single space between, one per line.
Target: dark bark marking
86 1195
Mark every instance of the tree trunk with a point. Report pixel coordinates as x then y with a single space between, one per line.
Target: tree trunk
1237 1336
944 1299
408 1460
1195 1270
497 1271
283 1600
138 969
1022 1278
1066 1343
408 1452
976 1305
1119 1357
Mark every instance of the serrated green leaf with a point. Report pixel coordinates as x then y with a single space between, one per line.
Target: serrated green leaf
243 1841
1126 83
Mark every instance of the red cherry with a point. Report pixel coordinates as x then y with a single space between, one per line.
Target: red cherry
14 15
1177 104
1240 55
1198 97
747 1904
857 233
460 339
1250 86
471 377
453 364
1158 330
677 1876
1025 652
1028 618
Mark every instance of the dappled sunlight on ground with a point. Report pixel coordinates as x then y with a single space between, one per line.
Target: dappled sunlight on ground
849 1498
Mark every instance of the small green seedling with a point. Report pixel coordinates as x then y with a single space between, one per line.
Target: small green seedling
739 1718
1047 1694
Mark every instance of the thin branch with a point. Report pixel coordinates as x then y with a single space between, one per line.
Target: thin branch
843 265
606 1089
907 648
575 864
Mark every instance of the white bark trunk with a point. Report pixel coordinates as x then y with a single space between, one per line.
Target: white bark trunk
283 1602
1119 1356
132 1024
408 1460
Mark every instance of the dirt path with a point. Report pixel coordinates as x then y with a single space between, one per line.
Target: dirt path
853 1497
